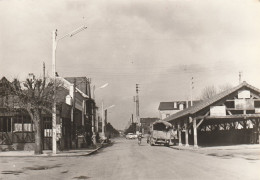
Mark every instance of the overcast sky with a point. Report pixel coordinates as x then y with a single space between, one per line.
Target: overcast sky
157 44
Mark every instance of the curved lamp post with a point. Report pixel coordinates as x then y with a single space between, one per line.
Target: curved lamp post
103 118
55 41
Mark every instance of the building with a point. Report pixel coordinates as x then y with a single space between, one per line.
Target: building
146 123
75 115
168 108
230 117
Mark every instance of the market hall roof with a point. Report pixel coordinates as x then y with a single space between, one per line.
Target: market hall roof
208 102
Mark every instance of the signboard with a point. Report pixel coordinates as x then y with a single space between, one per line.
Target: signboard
217 111
244 94
257 110
244 104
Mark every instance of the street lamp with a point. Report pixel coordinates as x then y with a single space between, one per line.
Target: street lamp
103 118
102 108
54 47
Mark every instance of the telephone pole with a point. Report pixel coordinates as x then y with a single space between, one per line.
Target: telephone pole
191 91
137 106
240 77
43 70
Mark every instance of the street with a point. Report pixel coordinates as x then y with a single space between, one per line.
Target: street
124 159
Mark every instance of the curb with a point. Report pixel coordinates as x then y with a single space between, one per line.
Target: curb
60 155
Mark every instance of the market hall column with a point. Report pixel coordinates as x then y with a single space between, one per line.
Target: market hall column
179 133
195 132
186 134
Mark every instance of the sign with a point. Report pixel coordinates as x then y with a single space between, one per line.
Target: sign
257 110
217 111
244 104
244 94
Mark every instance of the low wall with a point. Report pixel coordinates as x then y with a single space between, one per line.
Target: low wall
18 146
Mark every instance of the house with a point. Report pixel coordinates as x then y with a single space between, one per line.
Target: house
168 108
230 117
75 118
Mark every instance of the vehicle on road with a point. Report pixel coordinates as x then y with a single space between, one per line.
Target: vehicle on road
161 133
131 136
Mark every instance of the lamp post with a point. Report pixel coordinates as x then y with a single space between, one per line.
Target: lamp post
102 106
103 118
54 47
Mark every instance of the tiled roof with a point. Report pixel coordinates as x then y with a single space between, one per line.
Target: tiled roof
170 105
208 102
166 106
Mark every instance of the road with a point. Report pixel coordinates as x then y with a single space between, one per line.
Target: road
125 160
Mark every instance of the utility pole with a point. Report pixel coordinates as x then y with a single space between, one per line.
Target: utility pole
137 106
103 119
43 70
73 133
54 47
54 128
191 91
240 77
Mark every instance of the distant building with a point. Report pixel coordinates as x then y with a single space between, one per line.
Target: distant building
145 124
168 108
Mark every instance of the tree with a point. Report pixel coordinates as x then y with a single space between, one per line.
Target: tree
208 92
225 87
34 96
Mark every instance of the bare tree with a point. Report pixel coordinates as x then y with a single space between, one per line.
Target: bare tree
35 96
225 87
208 92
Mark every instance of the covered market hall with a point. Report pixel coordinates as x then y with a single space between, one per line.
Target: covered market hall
228 118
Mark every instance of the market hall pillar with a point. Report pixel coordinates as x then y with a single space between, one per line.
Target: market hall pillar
179 133
195 132
186 133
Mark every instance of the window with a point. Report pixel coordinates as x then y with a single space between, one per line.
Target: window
175 105
5 124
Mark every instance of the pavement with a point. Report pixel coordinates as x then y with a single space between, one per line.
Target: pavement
213 148
48 153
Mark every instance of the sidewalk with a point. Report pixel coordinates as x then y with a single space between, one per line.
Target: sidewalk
48 153
209 148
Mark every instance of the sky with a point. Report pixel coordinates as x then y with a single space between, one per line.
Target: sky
160 45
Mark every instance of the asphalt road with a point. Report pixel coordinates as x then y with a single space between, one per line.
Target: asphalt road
125 160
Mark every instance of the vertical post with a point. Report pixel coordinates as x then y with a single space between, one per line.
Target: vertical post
186 134
258 130
179 134
105 124
191 92
103 120
195 133
54 43
93 123
137 108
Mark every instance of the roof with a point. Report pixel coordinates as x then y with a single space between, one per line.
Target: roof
207 102
166 106
167 124
148 120
170 105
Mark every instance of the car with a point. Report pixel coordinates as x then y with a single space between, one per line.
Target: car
134 136
131 136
